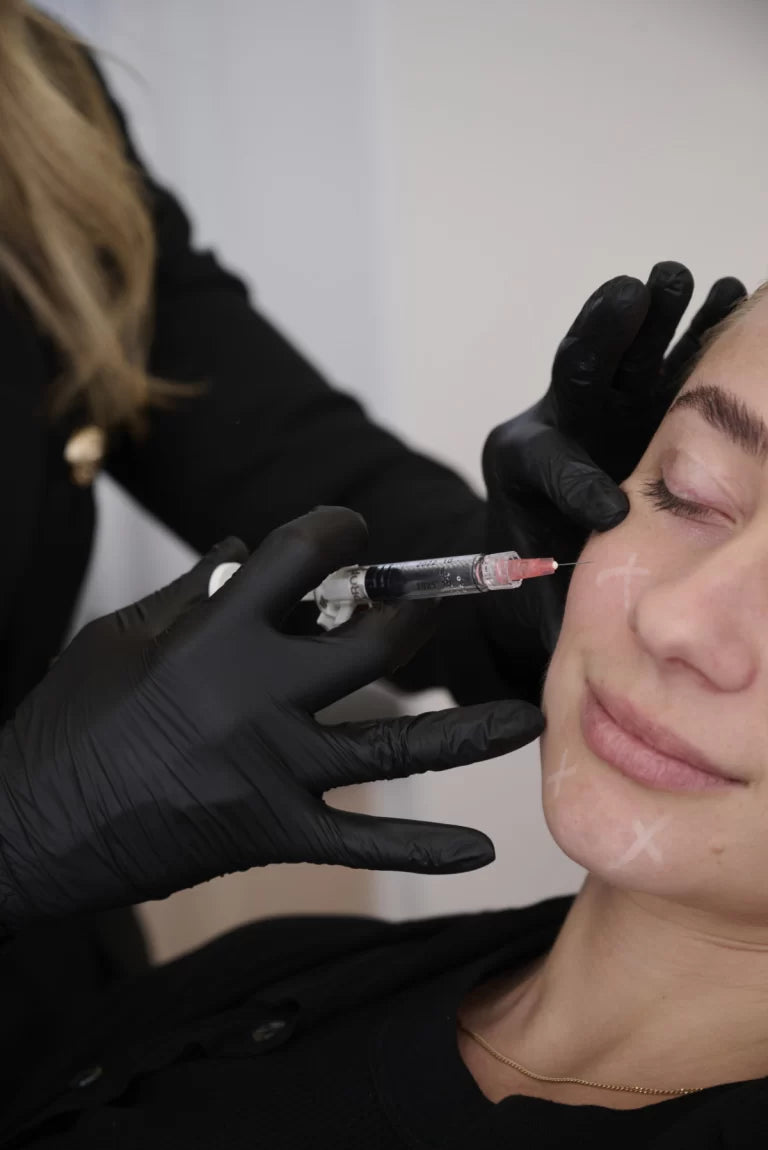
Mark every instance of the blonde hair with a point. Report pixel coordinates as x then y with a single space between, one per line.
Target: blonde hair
742 309
76 237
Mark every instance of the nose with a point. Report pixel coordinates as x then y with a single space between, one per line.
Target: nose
709 619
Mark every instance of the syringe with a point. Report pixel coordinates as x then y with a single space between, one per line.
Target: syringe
351 587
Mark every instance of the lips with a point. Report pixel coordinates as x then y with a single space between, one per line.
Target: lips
620 735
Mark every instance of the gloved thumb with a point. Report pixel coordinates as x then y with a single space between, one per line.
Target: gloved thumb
158 611
557 467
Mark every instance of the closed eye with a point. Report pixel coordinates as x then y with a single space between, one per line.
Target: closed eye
664 500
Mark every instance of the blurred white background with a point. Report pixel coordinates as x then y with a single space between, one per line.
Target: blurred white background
422 193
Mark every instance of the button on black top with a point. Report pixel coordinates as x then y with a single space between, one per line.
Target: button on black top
87 1077
266 1030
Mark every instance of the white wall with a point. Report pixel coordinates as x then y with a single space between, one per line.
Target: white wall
541 147
424 192
534 150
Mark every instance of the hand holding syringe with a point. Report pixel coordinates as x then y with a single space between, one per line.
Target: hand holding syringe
350 587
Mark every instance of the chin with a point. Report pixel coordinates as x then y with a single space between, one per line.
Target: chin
591 809
599 820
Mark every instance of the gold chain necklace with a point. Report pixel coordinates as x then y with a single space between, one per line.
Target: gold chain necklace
578 1081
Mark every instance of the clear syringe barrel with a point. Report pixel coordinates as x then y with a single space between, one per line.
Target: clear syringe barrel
342 591
456 575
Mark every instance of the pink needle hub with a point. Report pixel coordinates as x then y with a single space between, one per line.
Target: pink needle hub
511 570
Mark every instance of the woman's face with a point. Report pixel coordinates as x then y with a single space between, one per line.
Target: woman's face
662 660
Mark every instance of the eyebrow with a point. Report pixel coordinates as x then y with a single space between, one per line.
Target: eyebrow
728 414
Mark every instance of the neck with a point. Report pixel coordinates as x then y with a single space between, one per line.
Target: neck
638 990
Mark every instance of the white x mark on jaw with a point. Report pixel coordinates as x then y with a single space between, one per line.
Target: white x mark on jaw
561 773
628 571
643 842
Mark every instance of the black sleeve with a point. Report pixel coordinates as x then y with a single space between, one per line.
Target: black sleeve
265 438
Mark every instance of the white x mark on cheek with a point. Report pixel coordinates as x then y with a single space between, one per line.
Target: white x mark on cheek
561 773
644 837
628 571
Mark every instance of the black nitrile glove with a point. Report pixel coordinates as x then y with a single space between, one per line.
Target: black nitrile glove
174 740
552 472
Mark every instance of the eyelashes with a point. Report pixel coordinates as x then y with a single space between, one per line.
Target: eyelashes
664 500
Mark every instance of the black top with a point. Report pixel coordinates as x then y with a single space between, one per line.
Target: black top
266 440
334 1034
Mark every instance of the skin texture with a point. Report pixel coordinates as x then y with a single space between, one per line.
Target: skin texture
659 976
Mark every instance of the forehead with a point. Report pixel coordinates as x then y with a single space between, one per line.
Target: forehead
738 358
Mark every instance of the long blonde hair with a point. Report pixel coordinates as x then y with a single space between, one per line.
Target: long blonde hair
76 238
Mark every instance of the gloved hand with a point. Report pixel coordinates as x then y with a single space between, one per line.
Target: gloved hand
552 472
174 740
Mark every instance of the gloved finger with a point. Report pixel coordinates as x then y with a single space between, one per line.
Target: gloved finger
434 741
601 333
557 468
723 297
670 286
159 610
292 560
376 843
374 642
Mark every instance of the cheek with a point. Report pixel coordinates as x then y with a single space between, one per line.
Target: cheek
588 817
600 598
703 852
707 855
620 563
